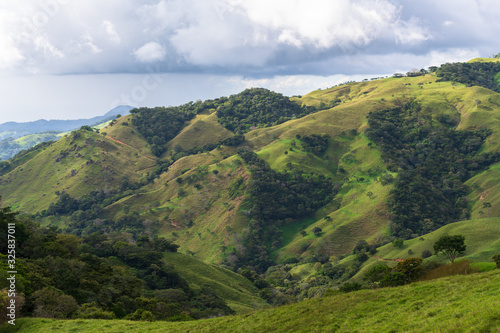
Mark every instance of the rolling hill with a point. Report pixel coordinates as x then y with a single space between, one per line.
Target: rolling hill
297 195
15 137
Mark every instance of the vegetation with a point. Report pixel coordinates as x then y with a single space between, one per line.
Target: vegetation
159 125
305 214
433 162
258 107
101 276
315 143
483 74
277 198
460 304
451 246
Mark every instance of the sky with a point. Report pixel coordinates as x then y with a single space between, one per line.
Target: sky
69 59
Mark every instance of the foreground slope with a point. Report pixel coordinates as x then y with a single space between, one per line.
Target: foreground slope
238 292
456 304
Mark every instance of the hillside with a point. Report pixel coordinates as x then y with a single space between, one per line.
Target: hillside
346 217
297 195
457 304
15 137
237 291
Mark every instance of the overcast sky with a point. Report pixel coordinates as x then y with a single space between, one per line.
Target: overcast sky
69 59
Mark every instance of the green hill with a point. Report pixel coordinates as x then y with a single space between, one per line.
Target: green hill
457 304
282 190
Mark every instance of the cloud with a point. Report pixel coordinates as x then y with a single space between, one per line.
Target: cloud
111 31
253 38
150 52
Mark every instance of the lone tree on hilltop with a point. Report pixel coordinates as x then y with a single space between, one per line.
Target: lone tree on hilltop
451 246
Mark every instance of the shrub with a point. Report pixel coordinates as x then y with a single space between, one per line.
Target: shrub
411 268
350 286
426 254
393 280
317 231
141 315
398 243
5 302
496 259
93 311
376 273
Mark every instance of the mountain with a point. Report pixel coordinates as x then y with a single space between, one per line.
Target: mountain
16 130
298 195
15 136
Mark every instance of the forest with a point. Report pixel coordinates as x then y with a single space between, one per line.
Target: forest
100 276
433 161
483 74
258 107
276 198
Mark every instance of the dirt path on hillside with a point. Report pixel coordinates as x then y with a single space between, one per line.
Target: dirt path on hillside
126 144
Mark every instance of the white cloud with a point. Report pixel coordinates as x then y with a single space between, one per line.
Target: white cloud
258 37
411 32
323 23
150 52
437 58
114 37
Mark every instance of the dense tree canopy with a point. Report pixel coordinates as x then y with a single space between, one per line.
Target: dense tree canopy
275 199
484 74
258 107
433 162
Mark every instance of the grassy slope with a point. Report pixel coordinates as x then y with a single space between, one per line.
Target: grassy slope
202 130
482 238
31 186
456 304
214 215
237 291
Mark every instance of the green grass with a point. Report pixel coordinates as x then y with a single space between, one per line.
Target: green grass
202 130
454 304
239 293
482 238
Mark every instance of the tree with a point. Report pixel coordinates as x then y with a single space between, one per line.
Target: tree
52 303
411 268
487 205
451 246
376 273
398 243
317 231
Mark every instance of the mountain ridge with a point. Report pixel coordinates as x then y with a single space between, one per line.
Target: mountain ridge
18 129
